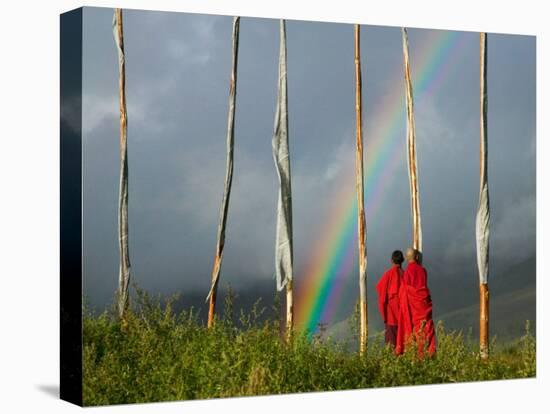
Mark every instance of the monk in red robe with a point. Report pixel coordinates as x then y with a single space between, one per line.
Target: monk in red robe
388 296
415 308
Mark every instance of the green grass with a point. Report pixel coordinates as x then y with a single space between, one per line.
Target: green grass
161 356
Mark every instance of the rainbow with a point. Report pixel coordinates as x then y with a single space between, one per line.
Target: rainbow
332 260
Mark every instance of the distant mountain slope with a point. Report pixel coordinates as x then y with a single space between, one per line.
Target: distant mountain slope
508 313
512 302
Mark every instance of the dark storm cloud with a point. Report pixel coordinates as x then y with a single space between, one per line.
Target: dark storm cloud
177 88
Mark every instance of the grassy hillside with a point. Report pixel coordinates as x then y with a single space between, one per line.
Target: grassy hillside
160 355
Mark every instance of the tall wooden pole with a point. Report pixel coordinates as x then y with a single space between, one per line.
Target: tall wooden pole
280 145
483 212
361 230
228 176
289 309
411 148
124 265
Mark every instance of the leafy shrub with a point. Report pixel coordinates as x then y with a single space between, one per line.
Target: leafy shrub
158 355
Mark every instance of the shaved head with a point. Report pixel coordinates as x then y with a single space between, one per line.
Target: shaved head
412 255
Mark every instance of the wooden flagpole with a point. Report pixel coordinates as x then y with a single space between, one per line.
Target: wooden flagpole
124 266
483 213
228 176
363 318
289 310
280 146
289 283
411 148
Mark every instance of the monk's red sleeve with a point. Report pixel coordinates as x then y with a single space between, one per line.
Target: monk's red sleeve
382 289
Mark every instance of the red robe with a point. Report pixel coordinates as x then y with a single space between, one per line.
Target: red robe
415 311
388 295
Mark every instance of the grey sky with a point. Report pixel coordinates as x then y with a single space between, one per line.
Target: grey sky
178 69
